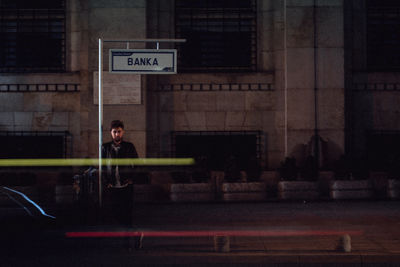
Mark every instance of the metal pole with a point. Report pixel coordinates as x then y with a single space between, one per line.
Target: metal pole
100 118
146 41
285 77
316 130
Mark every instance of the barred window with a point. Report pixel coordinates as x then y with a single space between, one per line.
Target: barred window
383 34
32 34
217 146
221 35
28 144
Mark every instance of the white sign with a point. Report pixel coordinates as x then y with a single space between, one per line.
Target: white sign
117 89
143 61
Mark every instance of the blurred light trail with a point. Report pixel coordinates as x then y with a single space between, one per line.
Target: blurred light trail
95 162
247 233
19 204
30 201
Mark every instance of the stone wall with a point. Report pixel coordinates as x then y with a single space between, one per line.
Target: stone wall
114 20
372 95
315 72
285 63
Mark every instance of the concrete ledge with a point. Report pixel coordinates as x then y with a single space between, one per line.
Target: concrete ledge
393 189
351 185
253 191
243 187
297 186
196 192
352 194
361 189
189 188
303 190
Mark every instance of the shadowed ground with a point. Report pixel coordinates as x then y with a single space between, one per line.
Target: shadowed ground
376 241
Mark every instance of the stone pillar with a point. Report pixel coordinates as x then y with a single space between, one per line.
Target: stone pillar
112 20
315 59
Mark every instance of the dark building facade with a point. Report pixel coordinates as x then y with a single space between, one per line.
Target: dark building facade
256 78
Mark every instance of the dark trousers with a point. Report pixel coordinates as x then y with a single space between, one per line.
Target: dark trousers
119 204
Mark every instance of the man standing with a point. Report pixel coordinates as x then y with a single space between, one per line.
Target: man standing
118 179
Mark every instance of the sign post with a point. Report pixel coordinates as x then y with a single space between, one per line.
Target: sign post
134 61
100 119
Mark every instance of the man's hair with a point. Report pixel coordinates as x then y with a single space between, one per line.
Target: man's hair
116 124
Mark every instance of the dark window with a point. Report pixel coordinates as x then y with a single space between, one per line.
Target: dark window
382 148
34 144
383 34
32 35
217 147
221 35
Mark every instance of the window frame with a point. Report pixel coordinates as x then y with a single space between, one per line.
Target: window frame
211 18
19 21
380 16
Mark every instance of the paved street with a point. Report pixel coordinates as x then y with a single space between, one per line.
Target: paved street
290 234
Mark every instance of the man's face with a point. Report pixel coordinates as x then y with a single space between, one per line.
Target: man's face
116 134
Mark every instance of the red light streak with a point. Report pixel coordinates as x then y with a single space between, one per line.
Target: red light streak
248 233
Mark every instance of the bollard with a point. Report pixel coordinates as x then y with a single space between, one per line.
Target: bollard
221 243
345 243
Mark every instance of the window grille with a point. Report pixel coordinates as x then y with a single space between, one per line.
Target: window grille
35 144
383 35
221 35
216 146
32 35
382 149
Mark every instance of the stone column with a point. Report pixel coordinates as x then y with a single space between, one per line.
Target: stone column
113 20
315 63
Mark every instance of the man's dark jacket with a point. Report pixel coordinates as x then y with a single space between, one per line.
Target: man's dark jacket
126 150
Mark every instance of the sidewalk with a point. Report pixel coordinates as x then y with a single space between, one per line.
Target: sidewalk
376 241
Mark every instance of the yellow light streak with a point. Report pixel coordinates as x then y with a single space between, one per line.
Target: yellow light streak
95 162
